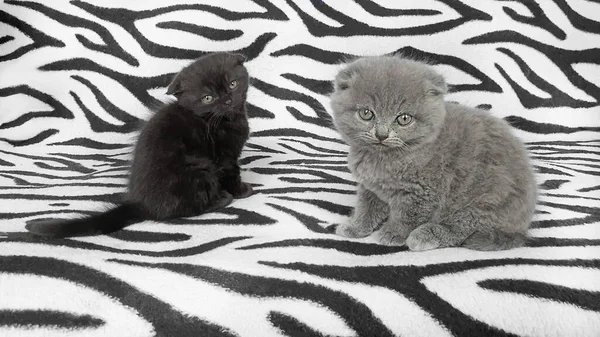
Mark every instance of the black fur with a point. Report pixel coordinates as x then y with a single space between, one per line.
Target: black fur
186 159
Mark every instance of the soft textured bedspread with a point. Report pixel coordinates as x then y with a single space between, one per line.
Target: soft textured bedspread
78 77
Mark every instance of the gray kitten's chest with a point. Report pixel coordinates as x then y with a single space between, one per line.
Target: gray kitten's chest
381 174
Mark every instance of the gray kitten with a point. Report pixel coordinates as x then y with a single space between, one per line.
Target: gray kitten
435 174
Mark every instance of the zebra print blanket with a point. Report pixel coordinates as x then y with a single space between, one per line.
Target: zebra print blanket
77 77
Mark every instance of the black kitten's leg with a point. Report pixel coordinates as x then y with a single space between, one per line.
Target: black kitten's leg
224 200
232 182
210 195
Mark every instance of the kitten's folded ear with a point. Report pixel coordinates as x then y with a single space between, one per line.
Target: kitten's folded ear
239 58
175 86
344 78
437 86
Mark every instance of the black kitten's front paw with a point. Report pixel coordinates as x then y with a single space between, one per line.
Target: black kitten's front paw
243 191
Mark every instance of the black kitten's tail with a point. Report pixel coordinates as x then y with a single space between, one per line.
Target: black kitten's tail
494 240
103 223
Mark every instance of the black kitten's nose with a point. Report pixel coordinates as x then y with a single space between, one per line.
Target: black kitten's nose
228 102
381 136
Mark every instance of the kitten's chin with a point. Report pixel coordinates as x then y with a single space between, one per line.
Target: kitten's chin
386 147
376 146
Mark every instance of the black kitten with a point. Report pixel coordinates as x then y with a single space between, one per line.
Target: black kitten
186 159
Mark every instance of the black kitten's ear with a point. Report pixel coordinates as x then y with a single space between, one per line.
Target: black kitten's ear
239 58
344 78
437 86
175 87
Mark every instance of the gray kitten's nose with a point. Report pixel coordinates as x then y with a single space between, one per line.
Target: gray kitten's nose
381 136
228 102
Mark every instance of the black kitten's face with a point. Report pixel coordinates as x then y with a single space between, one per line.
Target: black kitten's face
214 85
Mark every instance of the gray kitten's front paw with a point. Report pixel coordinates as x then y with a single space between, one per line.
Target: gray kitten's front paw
390 237
351 230
422 238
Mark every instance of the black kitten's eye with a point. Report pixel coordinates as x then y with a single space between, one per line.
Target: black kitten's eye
366 114
233 84
404 119
207 99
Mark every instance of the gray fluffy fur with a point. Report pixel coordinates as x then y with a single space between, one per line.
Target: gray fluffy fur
454 176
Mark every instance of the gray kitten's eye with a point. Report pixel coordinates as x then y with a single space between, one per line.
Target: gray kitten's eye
404 119
207 99
233 84
366 114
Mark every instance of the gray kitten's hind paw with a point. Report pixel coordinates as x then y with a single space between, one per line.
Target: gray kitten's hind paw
351 231
421 238
390 237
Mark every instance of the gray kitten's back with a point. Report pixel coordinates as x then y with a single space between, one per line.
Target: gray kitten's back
497 174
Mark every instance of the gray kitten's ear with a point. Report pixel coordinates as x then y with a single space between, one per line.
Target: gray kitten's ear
239 58
175 87
437 86
344 79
